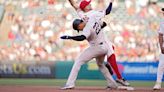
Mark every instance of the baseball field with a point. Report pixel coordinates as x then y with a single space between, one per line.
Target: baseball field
54 85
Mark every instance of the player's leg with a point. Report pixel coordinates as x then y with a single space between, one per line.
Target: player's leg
110 81
109 68
111 58
160 72
73 75
84 57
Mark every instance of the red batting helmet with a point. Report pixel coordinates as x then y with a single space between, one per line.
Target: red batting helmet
84 3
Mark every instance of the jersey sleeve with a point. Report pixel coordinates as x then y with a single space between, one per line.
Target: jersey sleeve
88 28
161 28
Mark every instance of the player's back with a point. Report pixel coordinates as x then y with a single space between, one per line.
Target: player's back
93 31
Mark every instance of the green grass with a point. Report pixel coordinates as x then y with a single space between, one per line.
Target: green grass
61 82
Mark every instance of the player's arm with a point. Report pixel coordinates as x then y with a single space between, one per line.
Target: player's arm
76 38
85 34
160 37
74 5
109 8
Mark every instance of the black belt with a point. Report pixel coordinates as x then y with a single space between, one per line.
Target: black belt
101 43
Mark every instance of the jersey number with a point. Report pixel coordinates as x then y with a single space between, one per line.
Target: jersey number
97 28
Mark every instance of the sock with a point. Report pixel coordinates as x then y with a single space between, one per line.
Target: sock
112 61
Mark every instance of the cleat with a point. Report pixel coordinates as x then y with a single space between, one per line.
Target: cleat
157 86
66 87
123 82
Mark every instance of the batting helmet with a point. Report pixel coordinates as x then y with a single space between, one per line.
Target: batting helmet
84 3
76 23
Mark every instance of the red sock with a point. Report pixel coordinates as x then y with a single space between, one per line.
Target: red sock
112 61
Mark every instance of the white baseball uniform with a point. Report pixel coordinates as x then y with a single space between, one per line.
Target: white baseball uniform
160 70
98 15
98 48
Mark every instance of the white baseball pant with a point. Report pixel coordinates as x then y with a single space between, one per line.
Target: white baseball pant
97 51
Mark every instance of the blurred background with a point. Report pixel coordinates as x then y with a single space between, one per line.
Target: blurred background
30 43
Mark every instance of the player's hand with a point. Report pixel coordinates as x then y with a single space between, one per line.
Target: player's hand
65 37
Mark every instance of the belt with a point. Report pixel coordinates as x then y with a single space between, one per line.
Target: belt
101 43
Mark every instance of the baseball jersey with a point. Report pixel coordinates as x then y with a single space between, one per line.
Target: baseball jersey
93 31
98 15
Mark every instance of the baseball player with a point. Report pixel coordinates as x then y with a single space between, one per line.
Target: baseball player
99 47
85 12
160 70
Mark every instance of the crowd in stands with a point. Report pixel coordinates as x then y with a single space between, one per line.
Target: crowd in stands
36 26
